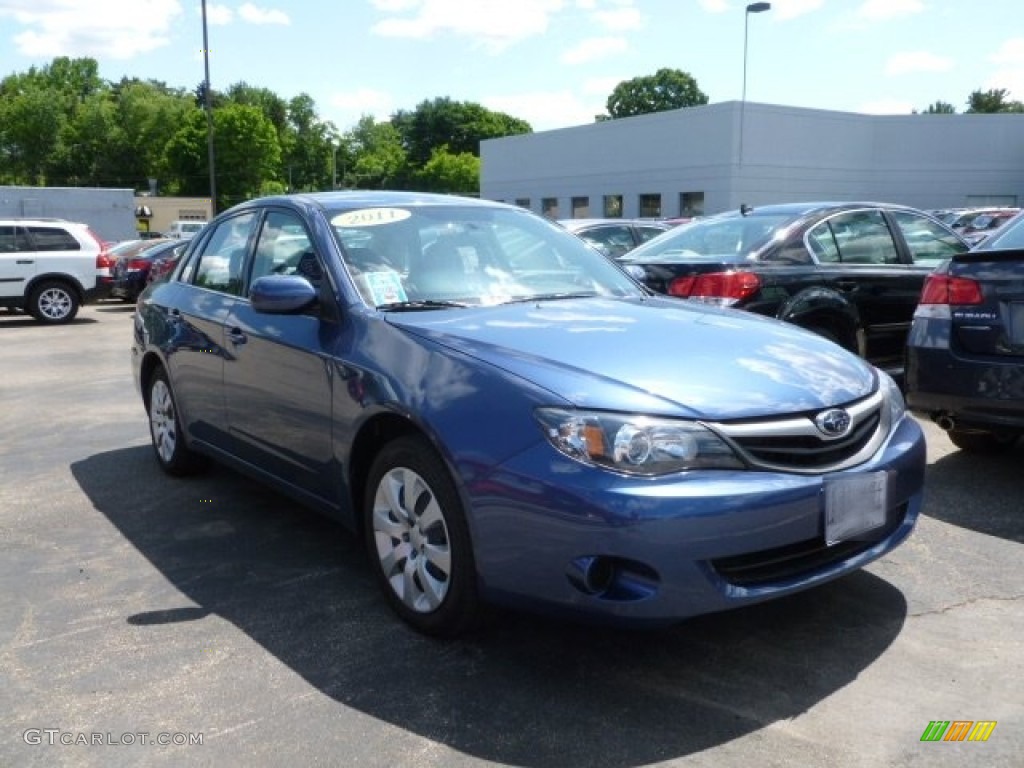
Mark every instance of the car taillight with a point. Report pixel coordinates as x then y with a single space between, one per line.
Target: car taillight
137 264
717 287
943 289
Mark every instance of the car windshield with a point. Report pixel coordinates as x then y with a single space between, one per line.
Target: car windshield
426 257
729 237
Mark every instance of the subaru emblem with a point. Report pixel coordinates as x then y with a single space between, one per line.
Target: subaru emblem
835 422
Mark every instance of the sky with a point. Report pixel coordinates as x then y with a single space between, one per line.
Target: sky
552 63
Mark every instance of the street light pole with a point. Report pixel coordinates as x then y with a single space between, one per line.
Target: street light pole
752 8
209 116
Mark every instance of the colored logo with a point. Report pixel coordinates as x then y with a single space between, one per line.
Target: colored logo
958 730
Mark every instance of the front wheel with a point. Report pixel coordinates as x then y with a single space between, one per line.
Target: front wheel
982 442
174 456
418 540
53 302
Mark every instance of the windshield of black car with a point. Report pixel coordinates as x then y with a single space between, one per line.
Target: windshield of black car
437 256
729 237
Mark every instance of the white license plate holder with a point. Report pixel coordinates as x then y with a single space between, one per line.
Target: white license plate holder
854 505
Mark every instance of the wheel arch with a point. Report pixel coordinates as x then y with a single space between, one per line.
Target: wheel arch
373 435
821 309
56 277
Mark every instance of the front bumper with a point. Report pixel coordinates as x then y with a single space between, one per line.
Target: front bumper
678 547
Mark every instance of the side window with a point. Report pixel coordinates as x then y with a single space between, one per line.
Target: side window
13 240
822 243
860 237
222 255
53 239
929 243
284 248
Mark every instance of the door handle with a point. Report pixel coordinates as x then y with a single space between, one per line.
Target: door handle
235 336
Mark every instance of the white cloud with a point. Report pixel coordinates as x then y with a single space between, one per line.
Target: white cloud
545 110
622 19
715 6
887 107
348 107
493 24
218 15
593 49
1010 53
917 61
254 15
113 29
882 10
791 9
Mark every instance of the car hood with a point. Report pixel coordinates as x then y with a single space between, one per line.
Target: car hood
655 355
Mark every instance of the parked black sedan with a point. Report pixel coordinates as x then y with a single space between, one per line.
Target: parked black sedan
851 272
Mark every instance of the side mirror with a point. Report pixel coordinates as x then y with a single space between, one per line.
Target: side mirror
281 294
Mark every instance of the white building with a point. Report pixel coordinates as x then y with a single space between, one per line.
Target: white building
703 160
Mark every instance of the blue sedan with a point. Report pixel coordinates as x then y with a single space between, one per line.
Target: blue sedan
505 416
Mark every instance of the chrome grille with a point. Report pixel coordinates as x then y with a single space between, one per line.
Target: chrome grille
795 444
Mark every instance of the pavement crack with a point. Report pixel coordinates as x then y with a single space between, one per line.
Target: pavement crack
965 603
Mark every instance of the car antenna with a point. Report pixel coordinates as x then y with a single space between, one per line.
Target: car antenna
745 209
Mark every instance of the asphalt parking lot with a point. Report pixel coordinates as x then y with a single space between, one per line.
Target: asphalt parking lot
136 609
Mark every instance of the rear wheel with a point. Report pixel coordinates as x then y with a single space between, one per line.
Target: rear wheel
53 301
174 456
418 540
983 442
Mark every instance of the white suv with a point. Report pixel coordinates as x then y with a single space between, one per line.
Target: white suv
48 267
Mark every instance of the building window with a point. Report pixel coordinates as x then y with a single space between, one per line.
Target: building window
650 206
691 204
549 207
192 214
580 207
613 206
523 202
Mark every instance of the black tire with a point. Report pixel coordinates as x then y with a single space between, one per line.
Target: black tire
983 442
53 302
418 541
165 432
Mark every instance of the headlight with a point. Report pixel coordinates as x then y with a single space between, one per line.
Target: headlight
638 445
894 397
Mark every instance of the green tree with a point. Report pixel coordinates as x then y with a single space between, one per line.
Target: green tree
247 153
940 108
991 101
460 126
457 174
665 89
31 121
310 152
380 158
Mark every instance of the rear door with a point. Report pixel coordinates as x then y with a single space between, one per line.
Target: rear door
17 261
211 284
862 259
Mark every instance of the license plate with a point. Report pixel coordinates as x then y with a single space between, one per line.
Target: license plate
1016 329
854 504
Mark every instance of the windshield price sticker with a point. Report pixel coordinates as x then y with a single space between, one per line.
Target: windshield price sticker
854 504
370 217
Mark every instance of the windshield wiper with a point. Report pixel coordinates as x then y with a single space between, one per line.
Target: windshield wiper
404 306
553 297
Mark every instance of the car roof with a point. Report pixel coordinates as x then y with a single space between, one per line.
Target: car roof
351 198
805 208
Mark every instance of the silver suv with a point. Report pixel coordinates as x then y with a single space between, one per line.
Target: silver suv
48 267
